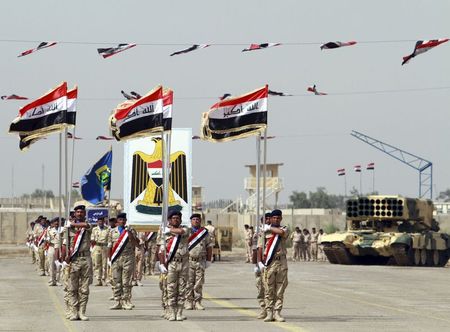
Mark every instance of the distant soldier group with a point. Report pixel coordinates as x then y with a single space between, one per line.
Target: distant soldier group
306 246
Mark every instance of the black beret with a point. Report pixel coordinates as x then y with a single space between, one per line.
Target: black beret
196 215
80 207
174 213
54 219
122 215
268 215
276 213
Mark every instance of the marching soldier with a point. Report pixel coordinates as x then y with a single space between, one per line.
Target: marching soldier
151 252
79 258
177 265
258 273
200 255
307 245
248 242
39 236
100 236
314 244
122 241
274 265
139 256
52 240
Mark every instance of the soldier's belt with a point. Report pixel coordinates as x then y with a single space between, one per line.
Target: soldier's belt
197 259
278 258
101 244
82 254
181 259
51 244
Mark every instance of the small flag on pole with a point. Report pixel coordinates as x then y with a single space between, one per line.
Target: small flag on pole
357 168
341 171
370 166
76 185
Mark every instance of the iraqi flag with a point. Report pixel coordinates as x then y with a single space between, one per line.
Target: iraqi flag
139 118
341 171
423 46
190 49
43 116
38 48
72 96
357 168
370 166
110 51
254 47
244 113
104 138
13 97
167 109
336 44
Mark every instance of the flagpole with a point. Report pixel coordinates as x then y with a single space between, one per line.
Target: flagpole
373 180
264 171
258 166
345 185
66 169
360 183
60 180
165 137
71 173
109 191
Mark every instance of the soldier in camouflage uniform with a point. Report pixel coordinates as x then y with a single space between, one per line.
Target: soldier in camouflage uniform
258 273
79 269
151 253
139 256
177 265
30 237
200 256
274 265
100 253
52 240
122 241
162 275
40 231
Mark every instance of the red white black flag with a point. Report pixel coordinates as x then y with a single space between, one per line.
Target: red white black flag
336 44
341 171
357 168
236 117
71 136
370 166
138 118
130 96
72 96
25 142
13 97
423 46
190 49
254 47
104 138
76 185
40 47
167 109
110 51
43 116
313 89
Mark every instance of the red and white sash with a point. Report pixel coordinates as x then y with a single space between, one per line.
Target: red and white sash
150 236
197 237
119 245
77 240
172 247
41 238
271 248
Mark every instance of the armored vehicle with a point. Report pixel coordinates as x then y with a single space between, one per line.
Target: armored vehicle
391 230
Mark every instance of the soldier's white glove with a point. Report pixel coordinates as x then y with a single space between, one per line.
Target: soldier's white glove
261 266
109 262
207 264
28 244
167 230
256 269
267 228
162 268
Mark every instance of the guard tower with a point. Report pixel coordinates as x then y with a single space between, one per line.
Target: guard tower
274 184
197 198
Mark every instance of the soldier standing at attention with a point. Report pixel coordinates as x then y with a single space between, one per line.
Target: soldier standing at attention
211 232
296 238
40 235
274 265
151 252
122 241
79 258
100 235
321 254
139 256
177 264
53 249
314 244
307 237
258 273
248 242
29 238
200 256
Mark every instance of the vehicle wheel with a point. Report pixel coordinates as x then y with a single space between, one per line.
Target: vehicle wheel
417 257
436 258
430 257
443 257
423 257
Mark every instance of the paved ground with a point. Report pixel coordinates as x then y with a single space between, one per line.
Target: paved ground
320 297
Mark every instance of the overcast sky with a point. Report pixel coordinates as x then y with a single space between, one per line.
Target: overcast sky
313 133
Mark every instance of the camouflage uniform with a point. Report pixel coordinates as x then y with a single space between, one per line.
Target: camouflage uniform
100 253
276 275
122 270
162 279
150 258
30 238
38 230
79 274
177 274
139 256
248 245
197 266
296 241
307 247
314 246
259 278
52 239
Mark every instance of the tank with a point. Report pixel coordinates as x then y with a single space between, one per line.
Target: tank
390 230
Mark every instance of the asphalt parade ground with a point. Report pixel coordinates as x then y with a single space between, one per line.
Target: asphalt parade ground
320 297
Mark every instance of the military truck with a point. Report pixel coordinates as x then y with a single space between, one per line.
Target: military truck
391 230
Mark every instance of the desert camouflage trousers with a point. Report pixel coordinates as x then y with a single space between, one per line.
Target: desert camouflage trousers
275 283
122 272
163 288
260 289
78 283
100 260
177 276
196 279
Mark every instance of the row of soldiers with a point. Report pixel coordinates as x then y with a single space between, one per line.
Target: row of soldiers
181 254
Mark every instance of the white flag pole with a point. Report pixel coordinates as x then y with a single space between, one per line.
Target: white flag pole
60 180
66 171
258 187
264 208
71 174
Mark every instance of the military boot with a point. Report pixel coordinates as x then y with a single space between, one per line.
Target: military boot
262 314
82 313
73 314
269 317
188 305
180 316
126 305
172 315
198 306
163 313
277 316
116 306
